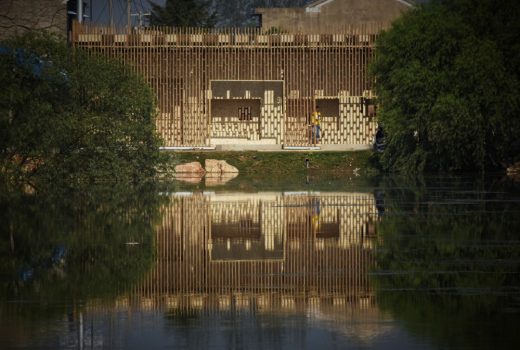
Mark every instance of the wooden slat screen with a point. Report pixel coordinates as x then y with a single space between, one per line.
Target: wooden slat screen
180 63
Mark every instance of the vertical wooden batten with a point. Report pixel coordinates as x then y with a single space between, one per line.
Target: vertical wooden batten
180 63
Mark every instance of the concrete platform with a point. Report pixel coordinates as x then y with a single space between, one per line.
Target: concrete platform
347 147
249 147
271 148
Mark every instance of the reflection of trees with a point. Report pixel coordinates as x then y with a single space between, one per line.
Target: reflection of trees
68 245
449 260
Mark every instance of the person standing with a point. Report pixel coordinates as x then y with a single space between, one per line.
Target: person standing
316 125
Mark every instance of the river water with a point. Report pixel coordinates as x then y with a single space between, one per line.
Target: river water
311 262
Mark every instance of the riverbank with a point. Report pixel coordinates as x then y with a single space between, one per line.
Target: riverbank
273 170
251 162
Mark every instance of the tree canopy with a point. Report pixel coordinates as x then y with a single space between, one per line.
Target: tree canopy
76 117
183 13
448 82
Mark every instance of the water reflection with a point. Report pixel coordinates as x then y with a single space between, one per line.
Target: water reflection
275 269
449 262
61 248
262 251
401 265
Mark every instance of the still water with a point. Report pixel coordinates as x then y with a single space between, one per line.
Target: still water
309 263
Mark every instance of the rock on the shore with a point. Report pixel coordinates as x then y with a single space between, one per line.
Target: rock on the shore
192 168
514 169
214 166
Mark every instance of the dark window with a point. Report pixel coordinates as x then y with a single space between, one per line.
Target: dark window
369 107
232 110
328 107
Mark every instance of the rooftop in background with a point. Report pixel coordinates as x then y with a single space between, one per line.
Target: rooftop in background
329 16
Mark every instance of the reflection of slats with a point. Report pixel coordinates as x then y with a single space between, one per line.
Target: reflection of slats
297 229
242 229
328 230
192 256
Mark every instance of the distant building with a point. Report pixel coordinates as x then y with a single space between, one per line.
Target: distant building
331 16
20 16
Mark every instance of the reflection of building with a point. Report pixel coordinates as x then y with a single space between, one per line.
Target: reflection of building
244 230
261 251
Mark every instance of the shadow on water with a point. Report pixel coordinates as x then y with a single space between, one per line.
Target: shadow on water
449 260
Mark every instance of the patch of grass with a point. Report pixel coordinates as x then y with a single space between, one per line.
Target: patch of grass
283 162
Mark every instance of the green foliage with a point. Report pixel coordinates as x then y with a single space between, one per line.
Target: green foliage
448 83
84 119
183 13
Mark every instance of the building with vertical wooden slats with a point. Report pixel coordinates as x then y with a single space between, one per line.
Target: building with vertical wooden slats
218 87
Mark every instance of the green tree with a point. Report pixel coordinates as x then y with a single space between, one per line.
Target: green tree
448 83
183 13
70 115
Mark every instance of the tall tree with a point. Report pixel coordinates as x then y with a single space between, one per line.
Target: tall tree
66 114
448 86
183 13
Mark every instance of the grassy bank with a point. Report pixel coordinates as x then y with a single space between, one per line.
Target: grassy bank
282 162
279 171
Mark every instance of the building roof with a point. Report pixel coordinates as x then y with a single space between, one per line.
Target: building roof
319 3
331 16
